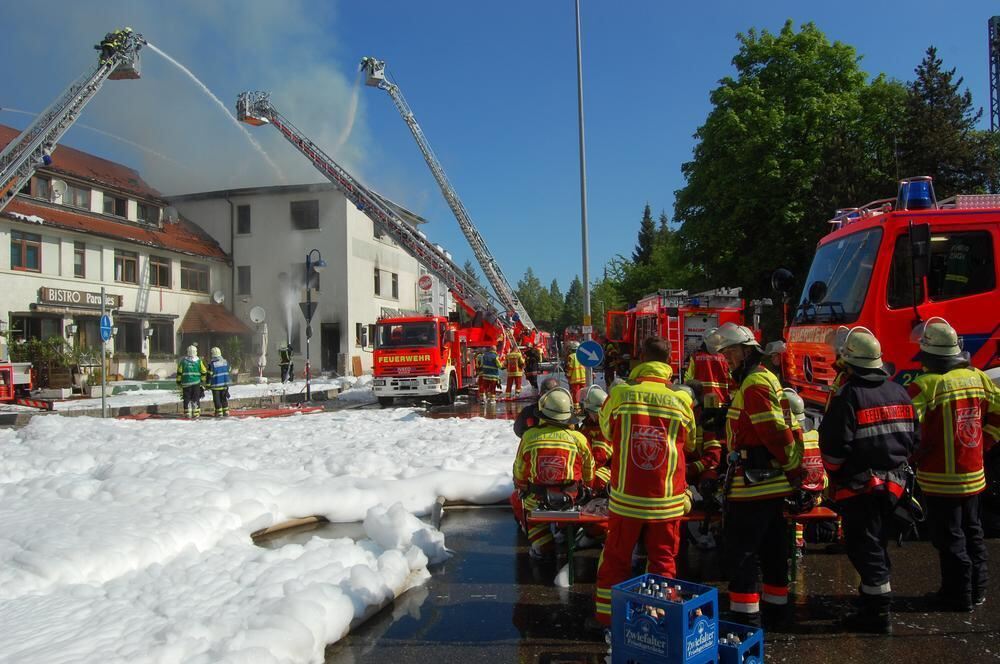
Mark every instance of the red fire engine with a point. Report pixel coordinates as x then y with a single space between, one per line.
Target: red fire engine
889 265
677 316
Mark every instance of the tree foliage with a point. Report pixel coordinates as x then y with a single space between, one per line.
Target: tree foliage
647 238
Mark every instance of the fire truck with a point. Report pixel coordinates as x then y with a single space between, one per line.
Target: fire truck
414 355
676 315
889 265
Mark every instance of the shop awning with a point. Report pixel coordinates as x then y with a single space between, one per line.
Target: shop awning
211 319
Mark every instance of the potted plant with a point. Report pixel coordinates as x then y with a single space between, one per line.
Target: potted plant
93 386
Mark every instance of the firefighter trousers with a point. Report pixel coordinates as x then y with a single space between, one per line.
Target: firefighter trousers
662 540
957 534
756 536
867 530
514 383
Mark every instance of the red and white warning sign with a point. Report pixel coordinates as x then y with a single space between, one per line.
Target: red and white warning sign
425 282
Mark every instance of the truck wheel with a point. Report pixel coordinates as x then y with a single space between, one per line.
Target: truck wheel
448 398
385 402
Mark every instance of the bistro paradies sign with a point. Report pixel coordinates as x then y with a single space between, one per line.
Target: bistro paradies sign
77 298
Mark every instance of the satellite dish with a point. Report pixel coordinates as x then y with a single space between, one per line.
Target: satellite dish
58 193
257 315
218 297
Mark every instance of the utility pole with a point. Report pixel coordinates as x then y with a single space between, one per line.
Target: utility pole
587 321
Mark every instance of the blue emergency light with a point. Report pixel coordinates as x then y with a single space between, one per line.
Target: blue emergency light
916 194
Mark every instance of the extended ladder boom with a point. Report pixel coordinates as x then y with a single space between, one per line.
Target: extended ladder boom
255 108
375 76
33 147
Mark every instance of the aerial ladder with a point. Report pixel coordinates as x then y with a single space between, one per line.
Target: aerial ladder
255 108
119 59
375 76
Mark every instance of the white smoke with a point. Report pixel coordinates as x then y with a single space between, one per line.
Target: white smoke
285 47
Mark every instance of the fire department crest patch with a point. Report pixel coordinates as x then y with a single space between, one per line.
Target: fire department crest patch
968 427
648 447
551 470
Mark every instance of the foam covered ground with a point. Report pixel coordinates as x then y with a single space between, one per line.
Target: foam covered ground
129 541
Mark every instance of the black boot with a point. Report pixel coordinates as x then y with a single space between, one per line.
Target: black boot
873 616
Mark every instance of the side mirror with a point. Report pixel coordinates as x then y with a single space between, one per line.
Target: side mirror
449 336
920 250
783 281
817 292
364 337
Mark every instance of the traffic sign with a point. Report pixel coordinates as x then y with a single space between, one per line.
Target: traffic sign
425 282
106 328
590 353
308 309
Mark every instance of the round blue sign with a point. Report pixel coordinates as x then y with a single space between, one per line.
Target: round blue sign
590 353
105 328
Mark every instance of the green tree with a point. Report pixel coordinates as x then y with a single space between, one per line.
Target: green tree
940 138
604 297
471 272
572 312
647 237
784 137
529 291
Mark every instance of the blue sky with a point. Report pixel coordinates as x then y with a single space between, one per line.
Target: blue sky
493 86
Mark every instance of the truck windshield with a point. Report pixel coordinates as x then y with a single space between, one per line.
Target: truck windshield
838 279
405 335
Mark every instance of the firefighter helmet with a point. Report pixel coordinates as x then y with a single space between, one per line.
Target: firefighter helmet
775 348
556 406
548 384
937 337
686 389
795 403
216 352
573 345
192 351
862 349
593 399
836 339
731 334
708 338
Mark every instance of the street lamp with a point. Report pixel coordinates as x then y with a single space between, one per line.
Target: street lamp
308 308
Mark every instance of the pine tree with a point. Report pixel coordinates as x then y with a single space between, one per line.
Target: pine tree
647 237
939 137
529 291
572 313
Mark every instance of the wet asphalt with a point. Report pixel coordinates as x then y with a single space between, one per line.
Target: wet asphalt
491 602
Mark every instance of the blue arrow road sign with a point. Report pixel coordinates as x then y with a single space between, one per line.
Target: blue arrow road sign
590 353
105 328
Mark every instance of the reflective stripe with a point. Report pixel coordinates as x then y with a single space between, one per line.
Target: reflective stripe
744 607
775 594
876 590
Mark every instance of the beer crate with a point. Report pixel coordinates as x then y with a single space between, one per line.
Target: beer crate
685 633
750 649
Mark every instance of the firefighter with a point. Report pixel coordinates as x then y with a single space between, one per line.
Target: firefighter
285 362
703 463
709 367
488 371
218 382
552 468
775 354
650 426
576 374
514 363
765 466
590 403
529 417
866 437
532 364
191 376
812 459
959 411
611 359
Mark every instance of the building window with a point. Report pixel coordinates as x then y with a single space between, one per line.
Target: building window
243 219
305 215
378 281
159 271
129 337
194 277
35 327
149 214
41 188
126 266
243 280
162 341
77 197
395 286
116 206
358 333
25 251
79 260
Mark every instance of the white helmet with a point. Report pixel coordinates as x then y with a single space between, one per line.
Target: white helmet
937 337
216 352
795 403
708 338
731 334
775 348
862 349
593 399
573 345
686 389
192 351
556 405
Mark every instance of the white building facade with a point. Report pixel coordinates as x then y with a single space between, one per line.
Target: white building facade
269 231
87 223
